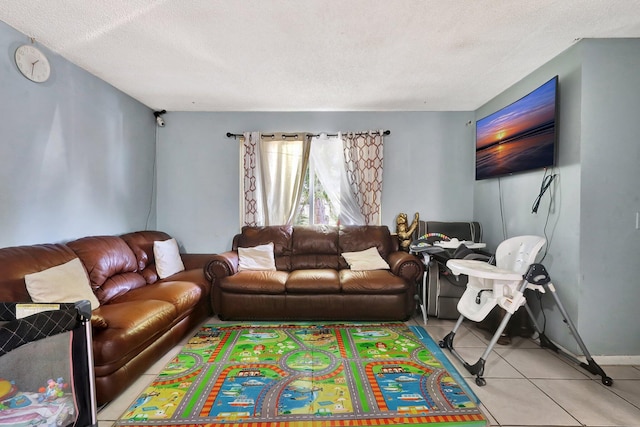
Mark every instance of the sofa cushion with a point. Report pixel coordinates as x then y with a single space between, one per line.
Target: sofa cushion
67 282
150 274
183 295
371 282
369 259
255 282
18 261
313 281
110 263
279 235
141 243
257 258
196 276
132 326
359 238
97 320
119 284
315 247
167 257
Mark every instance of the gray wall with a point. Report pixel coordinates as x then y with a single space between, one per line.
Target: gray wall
76 155
594 199
610 195
428 167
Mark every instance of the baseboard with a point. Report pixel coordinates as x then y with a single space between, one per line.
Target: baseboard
617 360
603 360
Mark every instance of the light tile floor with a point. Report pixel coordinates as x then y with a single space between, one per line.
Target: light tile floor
526 385
531 386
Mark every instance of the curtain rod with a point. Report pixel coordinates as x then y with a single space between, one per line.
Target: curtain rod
295 135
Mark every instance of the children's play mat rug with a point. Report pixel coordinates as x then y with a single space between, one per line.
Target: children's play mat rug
303 375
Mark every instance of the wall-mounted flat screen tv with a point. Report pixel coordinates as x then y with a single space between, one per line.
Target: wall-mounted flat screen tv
520 136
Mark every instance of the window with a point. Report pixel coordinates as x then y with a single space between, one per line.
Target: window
315 207
306 179
321 195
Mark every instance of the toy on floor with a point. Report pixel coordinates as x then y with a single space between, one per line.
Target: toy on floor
48 407
7 389
52 391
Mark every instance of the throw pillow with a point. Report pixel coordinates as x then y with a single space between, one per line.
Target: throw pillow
168 260
256 258
368 259
67 282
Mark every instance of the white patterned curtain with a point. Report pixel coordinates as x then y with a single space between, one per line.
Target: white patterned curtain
274 169
322 158
363 162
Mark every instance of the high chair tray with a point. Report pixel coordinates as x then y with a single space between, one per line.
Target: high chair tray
481 269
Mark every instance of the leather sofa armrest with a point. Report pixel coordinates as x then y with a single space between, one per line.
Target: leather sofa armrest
406 265
221 265
193 261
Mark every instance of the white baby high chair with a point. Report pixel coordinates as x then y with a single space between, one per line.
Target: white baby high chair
490 285
504 284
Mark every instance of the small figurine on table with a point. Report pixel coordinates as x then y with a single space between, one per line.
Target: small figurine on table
404 231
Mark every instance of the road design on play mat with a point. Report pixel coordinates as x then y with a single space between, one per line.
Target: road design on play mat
360 374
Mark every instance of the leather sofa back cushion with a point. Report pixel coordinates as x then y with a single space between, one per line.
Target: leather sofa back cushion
280 235
110 263
141 243
303 247
18 261
315 247
360 238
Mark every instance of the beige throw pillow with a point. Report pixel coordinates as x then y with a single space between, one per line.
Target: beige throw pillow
368 259
258 258
168 260
67 282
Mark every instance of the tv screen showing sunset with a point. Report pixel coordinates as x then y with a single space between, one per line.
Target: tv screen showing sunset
519 137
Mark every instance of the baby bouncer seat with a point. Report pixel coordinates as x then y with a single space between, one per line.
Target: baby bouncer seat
504 285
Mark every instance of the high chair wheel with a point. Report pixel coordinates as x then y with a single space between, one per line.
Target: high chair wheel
481 381
442 344
607 381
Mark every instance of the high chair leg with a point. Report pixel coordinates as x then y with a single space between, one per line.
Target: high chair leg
591 365
538 275
447 341
477 368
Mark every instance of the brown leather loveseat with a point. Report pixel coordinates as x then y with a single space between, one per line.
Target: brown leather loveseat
140 316
312 280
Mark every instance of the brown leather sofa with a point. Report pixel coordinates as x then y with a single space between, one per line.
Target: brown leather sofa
140 316
312 280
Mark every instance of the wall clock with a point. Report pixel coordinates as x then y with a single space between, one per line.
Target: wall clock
32 63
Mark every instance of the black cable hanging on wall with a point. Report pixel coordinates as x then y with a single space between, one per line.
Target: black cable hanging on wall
544 186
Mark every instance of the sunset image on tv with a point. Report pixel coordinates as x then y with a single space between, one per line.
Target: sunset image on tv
519 137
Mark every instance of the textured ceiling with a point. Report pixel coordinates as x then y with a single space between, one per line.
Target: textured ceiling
315 55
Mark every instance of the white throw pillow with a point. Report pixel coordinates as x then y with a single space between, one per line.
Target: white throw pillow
168 260
368 259
67 282
257 258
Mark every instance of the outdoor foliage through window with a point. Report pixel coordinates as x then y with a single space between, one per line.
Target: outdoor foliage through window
314 207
